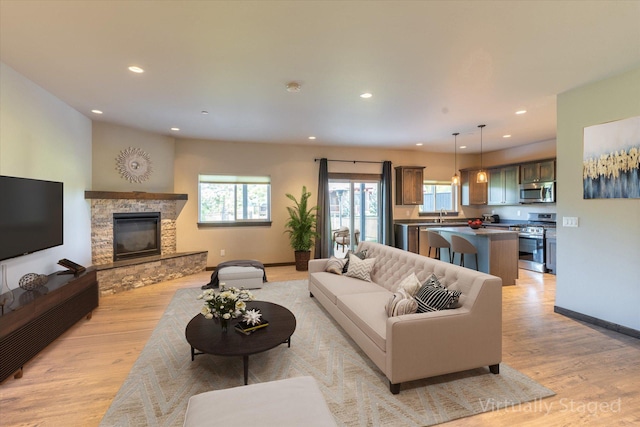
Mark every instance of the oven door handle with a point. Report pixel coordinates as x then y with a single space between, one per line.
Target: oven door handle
531 236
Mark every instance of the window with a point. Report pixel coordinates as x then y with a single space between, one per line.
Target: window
234 200
439 196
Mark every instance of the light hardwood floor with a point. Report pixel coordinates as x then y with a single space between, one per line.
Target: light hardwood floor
595 372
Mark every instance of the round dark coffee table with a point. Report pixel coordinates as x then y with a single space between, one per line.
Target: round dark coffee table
206 335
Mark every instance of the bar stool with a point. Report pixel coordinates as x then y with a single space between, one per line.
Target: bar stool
462 246
436 241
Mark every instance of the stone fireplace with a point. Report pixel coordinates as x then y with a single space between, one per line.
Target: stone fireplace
149 219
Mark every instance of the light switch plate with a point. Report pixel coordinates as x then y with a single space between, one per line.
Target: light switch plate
570 221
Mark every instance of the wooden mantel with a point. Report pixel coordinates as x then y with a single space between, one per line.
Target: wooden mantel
136 195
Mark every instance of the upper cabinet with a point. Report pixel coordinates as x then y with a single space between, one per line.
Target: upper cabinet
538 172
409 181
471 192
503 186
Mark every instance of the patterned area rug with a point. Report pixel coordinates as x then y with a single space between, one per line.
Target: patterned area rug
163 378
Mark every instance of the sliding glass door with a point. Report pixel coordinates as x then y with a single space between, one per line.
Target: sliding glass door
355 212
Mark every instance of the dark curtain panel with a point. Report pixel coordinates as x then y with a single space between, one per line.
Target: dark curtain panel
323 240
388 237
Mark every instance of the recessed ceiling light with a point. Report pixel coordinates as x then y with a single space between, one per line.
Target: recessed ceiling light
506 136
366 95
96 111
312 137
293 87
419 144
204 112
175 129
462 147
521 111
136 69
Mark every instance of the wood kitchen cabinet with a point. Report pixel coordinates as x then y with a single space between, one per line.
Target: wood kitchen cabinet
409 181
407 237
503 186
471 192
544 171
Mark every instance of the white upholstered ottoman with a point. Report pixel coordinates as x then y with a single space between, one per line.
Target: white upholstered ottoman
292 402
241 277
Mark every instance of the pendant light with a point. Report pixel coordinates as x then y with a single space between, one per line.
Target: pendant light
481 178
455 179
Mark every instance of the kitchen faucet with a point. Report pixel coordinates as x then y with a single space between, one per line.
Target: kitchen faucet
441 214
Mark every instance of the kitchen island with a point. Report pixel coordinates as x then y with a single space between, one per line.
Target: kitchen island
497 250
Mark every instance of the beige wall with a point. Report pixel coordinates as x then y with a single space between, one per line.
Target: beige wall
43 138
598 262
290 167
110 139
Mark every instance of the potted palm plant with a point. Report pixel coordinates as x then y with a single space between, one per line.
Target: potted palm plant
301 227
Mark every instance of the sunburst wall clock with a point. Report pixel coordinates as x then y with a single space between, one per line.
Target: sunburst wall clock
134 165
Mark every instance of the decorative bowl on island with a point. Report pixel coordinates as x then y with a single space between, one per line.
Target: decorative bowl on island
475 223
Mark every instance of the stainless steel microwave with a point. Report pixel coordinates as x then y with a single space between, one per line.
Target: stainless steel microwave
538 192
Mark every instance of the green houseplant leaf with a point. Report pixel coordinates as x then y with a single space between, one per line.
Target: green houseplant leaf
301 225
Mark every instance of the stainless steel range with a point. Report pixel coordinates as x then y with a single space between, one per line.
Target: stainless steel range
532 240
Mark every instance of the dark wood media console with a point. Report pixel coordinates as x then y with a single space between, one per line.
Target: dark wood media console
36 318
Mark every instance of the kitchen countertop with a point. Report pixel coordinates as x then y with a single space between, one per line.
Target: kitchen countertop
431 224
478 232
460 223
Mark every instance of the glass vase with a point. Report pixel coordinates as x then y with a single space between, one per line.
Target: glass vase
6 295
224 324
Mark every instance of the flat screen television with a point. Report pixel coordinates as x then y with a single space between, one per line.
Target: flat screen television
31 215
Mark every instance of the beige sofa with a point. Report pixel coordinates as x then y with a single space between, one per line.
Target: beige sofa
418 345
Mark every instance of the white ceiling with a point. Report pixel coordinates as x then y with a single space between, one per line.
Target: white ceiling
434 67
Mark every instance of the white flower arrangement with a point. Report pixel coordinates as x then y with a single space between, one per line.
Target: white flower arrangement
228 304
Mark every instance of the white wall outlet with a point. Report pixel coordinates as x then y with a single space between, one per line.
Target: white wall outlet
222 252
570 221
493 211
518 212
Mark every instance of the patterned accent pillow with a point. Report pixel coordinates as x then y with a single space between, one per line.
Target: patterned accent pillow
435 298
400 303
361 255
410 284
433 281
335 265
360 268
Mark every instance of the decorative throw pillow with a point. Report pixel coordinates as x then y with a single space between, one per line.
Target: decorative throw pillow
360 268
400 303
410 284
434 298
433 281
335 265
361 255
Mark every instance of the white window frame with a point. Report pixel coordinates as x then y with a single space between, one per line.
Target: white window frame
234 180
455 194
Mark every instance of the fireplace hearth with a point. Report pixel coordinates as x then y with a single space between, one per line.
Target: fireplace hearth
136 234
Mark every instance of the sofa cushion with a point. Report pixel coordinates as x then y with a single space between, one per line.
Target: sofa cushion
366 311
360 268
335 265
434 298
401 303
333 285
410 284
362 255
